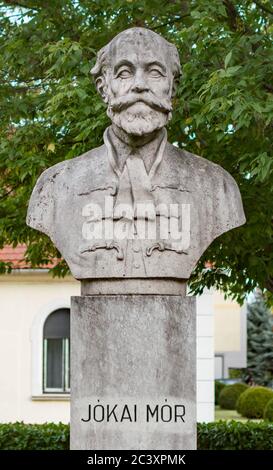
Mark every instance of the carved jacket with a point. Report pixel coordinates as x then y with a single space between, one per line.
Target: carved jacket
76 204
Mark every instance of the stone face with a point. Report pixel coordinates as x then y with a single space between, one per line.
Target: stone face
133 350
136 207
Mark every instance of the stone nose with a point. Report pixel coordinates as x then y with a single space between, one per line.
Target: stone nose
140 84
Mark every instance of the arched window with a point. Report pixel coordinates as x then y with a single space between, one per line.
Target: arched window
56 352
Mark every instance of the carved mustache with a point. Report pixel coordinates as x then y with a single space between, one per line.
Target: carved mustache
118 104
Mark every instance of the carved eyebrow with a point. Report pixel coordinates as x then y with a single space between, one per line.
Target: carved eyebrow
123 62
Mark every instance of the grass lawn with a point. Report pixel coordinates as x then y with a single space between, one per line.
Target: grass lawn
231 414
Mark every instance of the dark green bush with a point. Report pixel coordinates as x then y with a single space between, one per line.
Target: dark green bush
218 387
222 435
21 436
230 394
253 401
234 435
268 411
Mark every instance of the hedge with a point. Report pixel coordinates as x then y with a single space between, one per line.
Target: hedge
230 394
234 435
21 436
253 401
221 435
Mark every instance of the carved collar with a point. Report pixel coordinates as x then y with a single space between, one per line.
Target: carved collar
118 151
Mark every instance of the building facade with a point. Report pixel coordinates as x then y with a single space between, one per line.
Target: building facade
34 344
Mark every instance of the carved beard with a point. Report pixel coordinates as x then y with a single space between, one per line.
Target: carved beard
139 119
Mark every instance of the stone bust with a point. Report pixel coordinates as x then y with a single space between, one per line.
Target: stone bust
136 207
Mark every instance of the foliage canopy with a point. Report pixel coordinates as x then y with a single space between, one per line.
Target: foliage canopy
50 110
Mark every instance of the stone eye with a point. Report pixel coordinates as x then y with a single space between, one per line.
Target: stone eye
155 73
125 73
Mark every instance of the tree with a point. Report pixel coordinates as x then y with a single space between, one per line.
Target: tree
259 341
50 110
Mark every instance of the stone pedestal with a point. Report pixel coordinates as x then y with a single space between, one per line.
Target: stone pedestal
133 372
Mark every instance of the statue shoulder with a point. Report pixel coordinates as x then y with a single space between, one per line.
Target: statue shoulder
228 205
49 184
41 202
197 163
212 180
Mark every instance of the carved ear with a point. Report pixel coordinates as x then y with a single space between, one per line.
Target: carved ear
174 86
102 88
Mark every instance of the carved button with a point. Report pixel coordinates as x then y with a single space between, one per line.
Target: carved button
136 246
136 265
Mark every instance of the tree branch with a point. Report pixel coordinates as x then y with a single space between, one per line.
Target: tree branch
171 21
231 14
16 3
3 196
6 86
268 87
269 284
263 7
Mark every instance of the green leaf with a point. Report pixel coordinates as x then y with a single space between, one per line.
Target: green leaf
227 59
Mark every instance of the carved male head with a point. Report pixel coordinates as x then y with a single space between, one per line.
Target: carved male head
136 75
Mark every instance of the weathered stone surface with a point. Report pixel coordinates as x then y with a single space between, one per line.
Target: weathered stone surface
133 349
134 286
136 179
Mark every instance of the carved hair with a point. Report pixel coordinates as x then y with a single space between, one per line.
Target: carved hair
104 54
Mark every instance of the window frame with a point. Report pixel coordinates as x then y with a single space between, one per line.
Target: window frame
37 329
65 367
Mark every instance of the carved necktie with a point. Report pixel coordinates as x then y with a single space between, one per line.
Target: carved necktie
134 192
134 200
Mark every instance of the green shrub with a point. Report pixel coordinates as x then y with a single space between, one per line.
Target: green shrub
268 411
222 435
235 373
21 436
218 387
253 401
234 435
230 394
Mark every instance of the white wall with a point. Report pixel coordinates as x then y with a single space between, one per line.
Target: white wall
230 322
23 297
205 358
